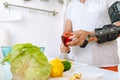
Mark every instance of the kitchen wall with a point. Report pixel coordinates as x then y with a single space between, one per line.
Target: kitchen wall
36 27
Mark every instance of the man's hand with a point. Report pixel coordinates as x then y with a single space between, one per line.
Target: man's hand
64 49
78 38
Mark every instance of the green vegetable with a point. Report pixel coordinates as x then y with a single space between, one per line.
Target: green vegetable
28 63
67 65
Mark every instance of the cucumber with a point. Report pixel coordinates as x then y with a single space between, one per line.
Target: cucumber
67 65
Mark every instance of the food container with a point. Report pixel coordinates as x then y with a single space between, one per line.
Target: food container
6 49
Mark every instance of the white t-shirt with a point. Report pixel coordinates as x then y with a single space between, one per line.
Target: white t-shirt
93 14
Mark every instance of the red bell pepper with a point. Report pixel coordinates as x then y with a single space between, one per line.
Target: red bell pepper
65 38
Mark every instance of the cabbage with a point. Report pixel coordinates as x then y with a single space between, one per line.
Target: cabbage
27 62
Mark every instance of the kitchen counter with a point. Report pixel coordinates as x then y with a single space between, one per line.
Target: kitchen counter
88 73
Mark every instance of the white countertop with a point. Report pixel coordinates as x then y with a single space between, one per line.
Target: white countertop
88 73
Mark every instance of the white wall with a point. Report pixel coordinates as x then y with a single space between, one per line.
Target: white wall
36 27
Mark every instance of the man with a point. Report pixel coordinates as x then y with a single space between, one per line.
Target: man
83 17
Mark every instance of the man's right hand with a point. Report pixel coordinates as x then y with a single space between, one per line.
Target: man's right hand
64 49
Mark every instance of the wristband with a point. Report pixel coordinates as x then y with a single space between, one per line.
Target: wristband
85 42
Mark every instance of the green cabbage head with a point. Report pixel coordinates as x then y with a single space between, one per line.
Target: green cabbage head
27 62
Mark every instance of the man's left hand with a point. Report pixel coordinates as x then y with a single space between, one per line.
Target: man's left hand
78 38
